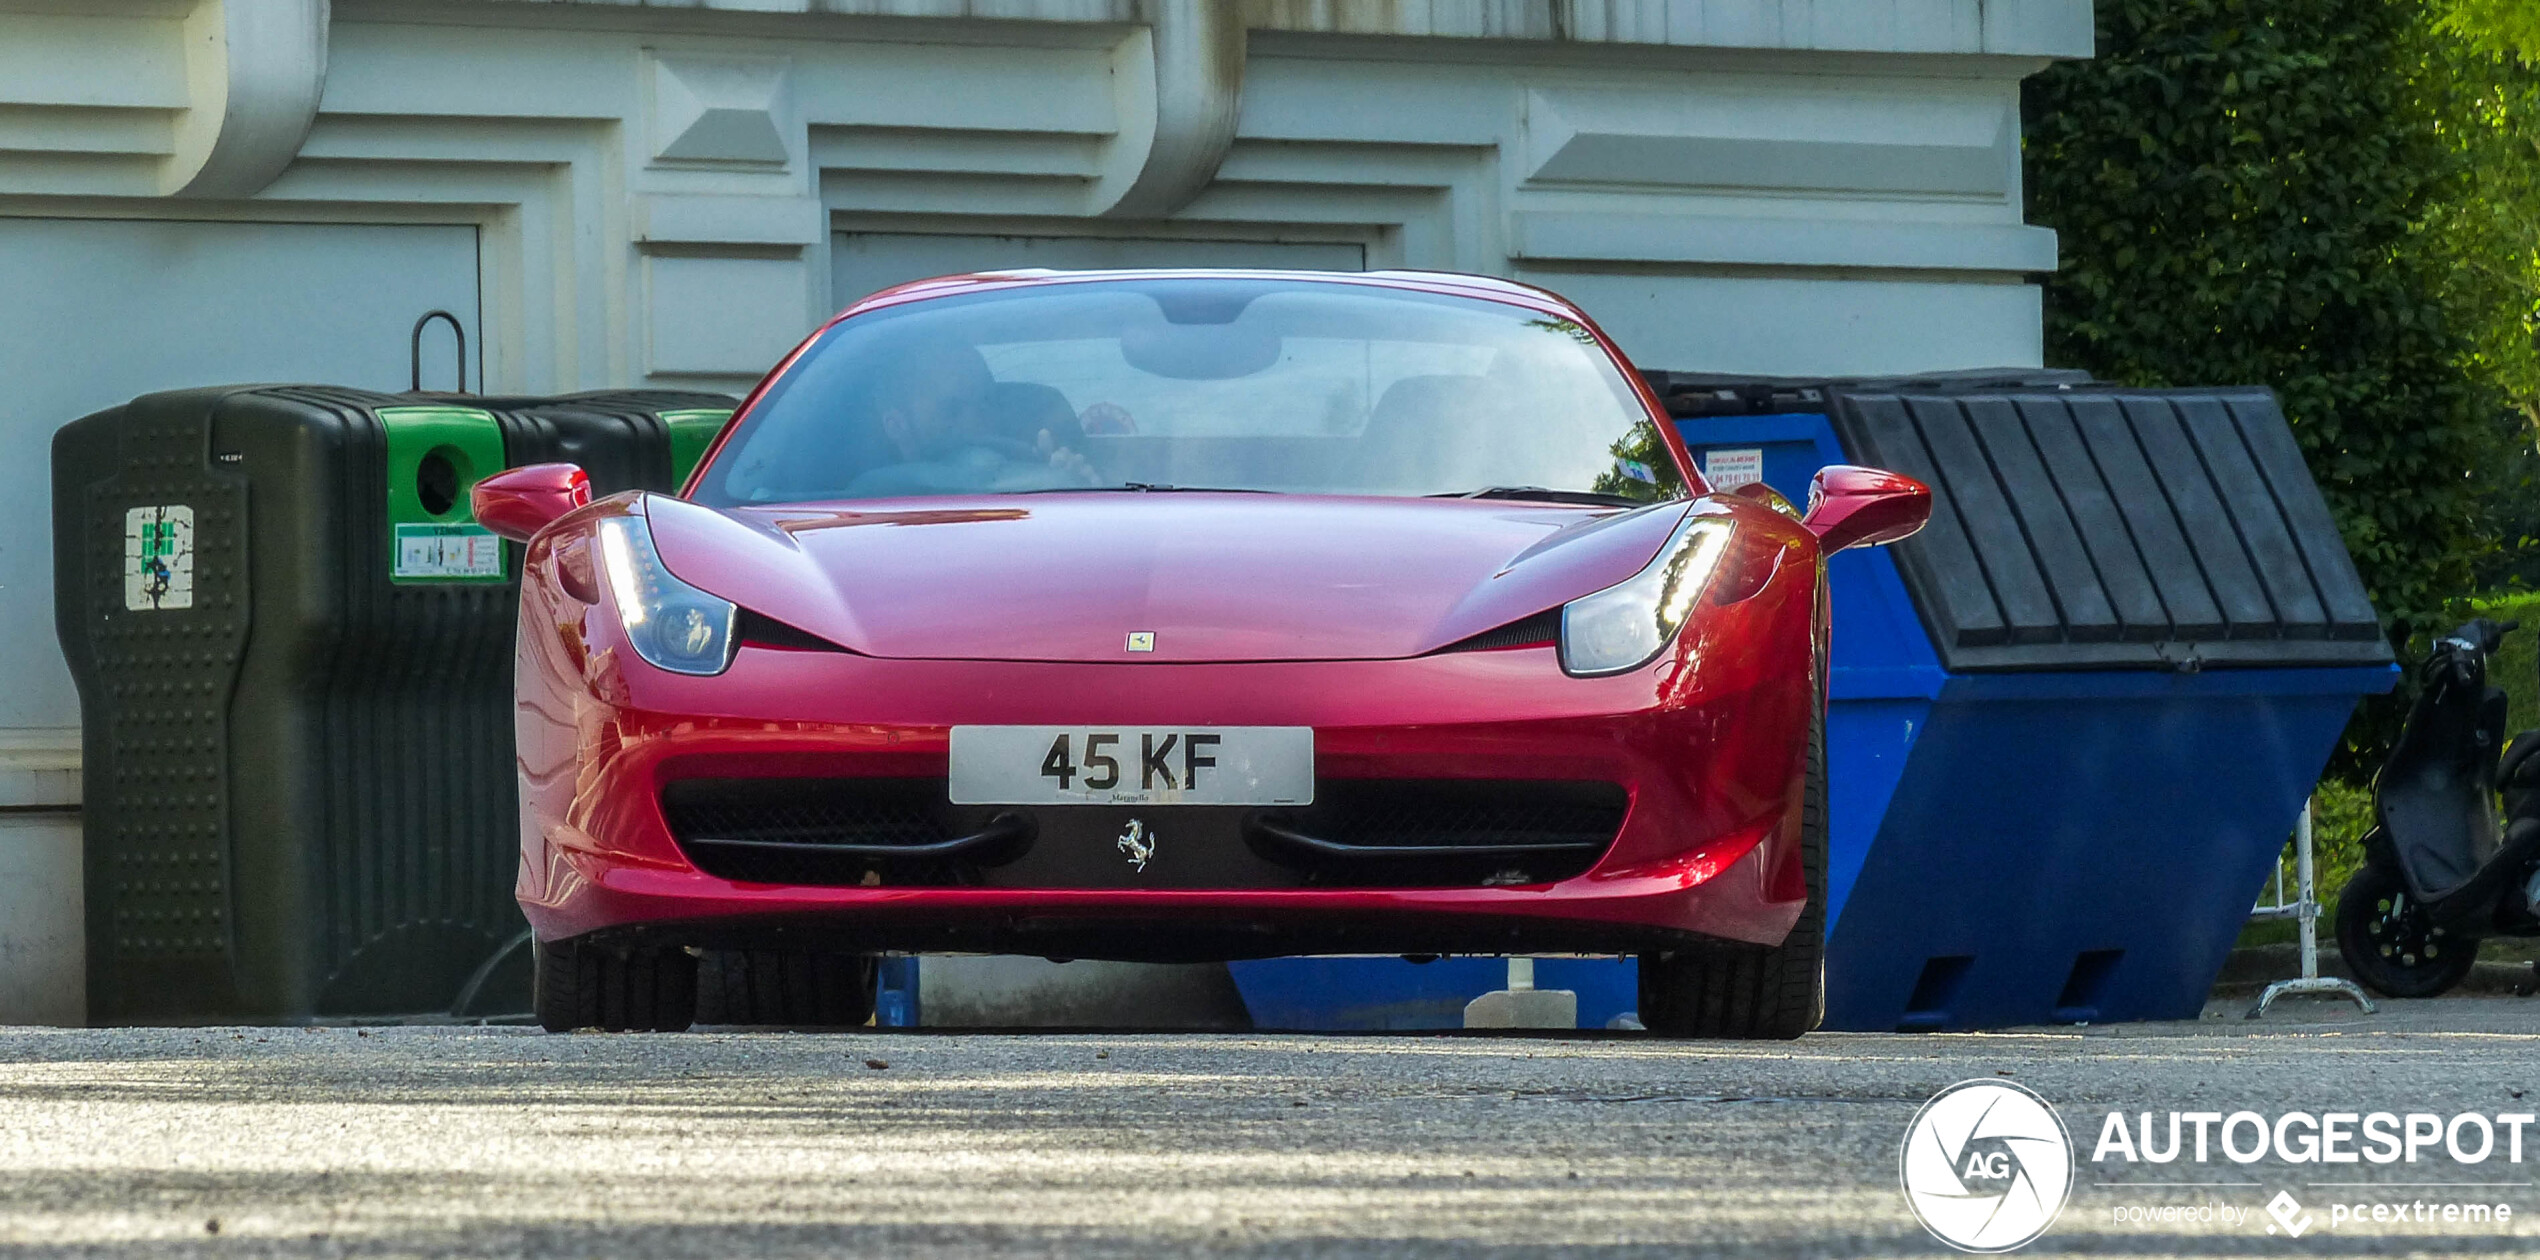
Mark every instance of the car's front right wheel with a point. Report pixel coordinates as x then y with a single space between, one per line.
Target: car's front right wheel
1751 992
784 988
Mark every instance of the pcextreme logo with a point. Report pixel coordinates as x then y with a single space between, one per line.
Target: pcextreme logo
2288 1214
1986 1166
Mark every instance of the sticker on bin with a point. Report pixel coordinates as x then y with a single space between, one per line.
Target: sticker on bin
1734 467
158 558
466 553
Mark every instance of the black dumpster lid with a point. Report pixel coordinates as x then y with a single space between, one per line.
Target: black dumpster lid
2090 526
1691 394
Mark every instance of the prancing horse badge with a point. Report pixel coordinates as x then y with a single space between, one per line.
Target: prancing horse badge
1137 844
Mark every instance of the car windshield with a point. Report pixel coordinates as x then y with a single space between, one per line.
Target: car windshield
1278 384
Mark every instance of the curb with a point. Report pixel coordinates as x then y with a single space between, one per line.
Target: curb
2253 967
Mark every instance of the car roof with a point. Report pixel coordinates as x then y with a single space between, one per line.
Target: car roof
1447 282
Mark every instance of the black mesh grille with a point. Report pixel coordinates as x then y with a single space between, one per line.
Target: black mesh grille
807 811
1543 627
1444 832
1423 813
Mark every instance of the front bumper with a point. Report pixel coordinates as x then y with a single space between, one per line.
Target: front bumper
1707 849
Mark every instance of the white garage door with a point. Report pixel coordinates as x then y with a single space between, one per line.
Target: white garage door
861 262
99 310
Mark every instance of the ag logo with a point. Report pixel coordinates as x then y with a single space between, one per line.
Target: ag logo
1986 1166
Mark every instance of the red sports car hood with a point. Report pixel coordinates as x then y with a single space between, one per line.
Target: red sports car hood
1212 577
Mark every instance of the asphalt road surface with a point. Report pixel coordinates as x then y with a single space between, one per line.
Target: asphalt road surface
505 1142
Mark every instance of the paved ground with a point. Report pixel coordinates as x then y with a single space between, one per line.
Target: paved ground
501 1141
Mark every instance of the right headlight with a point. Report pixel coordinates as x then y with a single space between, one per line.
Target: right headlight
673 625
1625 625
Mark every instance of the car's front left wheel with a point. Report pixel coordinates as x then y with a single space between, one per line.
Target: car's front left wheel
1745 991
583 985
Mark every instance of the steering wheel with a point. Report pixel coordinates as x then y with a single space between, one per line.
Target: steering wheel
1018 451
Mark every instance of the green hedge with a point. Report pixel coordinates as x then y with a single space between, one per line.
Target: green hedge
2340 200
2270 193
2516 665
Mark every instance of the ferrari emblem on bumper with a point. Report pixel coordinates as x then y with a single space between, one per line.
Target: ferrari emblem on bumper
1142 640
1137 844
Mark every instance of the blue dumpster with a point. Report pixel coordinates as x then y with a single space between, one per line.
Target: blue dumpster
2070 724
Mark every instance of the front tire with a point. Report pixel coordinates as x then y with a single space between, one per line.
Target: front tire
777 988
580 985
2389 942
1748 992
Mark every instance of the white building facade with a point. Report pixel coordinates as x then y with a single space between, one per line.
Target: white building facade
619 192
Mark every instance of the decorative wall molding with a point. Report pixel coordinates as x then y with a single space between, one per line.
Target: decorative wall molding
1789 243
669 220
39 769
2030 28
619 158
1178 118
1910 138
254 71
720 110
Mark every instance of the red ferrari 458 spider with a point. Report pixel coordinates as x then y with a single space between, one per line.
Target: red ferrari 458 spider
1176 615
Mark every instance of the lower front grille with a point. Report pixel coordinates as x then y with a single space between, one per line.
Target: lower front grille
888 812
835 831
1444 832
1358 833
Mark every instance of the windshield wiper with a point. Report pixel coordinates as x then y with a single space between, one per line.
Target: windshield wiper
1545 495
1144 487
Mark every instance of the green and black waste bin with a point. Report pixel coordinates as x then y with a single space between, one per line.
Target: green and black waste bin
293 647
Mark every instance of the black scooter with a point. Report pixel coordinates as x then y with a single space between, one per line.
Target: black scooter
2440 873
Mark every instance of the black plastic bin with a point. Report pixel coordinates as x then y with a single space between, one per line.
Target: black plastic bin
293 649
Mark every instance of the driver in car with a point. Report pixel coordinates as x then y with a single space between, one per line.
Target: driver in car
956 429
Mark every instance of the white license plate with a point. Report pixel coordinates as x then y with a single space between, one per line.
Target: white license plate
1133 765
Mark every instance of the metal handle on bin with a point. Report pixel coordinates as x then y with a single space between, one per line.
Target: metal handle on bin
414 349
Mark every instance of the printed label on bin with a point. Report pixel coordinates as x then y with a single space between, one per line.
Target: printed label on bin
158 557
1729 469
447 552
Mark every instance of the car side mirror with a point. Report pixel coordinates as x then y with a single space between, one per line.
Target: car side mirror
518 502
1850 506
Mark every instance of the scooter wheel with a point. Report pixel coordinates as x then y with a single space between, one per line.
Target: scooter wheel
2390 944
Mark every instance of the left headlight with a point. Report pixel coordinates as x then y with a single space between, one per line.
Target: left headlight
673 625
1623 626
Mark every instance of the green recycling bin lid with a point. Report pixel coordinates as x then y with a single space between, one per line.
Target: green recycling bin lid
436 455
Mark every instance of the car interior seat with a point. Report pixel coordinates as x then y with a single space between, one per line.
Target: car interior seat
1417 414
